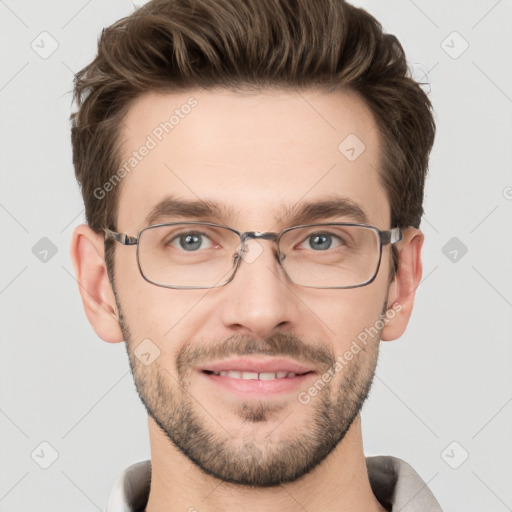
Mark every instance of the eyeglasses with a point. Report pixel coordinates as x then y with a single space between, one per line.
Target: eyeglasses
196 255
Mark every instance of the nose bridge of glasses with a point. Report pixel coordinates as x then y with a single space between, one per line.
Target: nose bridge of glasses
258 235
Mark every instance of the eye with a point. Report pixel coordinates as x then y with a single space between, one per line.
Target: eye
323 241
190 241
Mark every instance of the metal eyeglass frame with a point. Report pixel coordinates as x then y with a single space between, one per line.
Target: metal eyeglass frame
385 237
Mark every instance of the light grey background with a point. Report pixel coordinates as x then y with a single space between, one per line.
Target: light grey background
443 391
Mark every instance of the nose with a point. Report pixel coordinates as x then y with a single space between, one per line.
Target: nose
260 298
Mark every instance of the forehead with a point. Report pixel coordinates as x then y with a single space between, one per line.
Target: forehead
256 155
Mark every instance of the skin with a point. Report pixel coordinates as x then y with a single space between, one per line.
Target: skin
257 153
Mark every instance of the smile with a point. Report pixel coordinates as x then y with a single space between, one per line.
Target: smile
254 375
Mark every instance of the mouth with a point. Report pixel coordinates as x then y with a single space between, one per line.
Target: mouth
257 377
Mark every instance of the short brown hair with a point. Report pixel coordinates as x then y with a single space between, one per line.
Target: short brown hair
172 45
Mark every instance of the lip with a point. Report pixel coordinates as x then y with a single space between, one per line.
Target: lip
259 365
256 388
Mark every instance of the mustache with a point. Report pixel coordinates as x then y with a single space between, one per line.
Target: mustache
279 344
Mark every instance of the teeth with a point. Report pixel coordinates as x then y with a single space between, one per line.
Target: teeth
267 376
249 375
255 375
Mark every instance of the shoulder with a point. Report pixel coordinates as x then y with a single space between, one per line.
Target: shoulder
398 486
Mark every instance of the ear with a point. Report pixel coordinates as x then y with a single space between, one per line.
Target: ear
403 288
88 256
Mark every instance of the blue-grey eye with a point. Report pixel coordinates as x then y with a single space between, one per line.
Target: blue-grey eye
321 241
190 241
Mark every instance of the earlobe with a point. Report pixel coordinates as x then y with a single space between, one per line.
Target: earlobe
403 288
87 254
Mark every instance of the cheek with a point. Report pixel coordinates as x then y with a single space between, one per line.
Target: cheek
143 304
162 315
351 312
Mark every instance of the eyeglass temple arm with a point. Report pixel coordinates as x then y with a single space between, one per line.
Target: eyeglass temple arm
391 237
122 238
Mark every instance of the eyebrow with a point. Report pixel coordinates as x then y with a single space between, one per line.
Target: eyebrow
302 213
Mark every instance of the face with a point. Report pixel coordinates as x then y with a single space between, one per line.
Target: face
257 156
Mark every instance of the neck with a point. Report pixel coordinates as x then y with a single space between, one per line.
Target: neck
339 483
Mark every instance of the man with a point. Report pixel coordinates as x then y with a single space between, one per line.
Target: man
253 177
